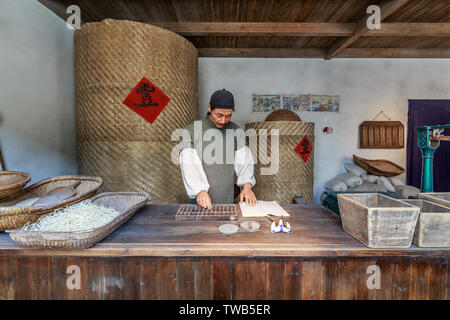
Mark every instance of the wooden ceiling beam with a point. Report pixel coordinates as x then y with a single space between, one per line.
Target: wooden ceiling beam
258 28
303 29
386 10
395 53
261 53
320 53
404 29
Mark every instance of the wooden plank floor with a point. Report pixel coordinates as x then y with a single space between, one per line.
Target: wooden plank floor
153 231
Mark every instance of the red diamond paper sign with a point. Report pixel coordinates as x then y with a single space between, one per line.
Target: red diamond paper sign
304 148
146 100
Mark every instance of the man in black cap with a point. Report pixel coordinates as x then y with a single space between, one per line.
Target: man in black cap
209 176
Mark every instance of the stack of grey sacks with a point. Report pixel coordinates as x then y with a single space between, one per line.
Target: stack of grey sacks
356 179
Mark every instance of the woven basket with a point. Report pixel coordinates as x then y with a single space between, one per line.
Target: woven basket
11 182
295 178
379 167
15 217
283 115
127 203
114 142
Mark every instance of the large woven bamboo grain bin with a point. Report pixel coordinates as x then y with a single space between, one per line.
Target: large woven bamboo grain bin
295 178
114 142
378 221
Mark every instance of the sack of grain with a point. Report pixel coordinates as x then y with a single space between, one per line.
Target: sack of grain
353 168
335 185
322 197
370 178
350 179
387 184
396 182
369 187
406 191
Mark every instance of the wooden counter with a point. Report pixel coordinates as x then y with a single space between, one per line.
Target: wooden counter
152 256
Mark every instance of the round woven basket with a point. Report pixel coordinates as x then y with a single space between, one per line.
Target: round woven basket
295 177
114 142
283 115
12 182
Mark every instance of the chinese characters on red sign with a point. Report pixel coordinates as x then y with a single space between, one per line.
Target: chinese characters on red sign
147 100
304 148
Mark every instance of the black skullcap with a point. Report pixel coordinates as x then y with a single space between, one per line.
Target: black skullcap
222 99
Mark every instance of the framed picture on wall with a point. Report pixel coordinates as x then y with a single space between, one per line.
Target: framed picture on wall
297 102
266 102
325 103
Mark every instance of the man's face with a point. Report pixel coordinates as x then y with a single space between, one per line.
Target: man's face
220 117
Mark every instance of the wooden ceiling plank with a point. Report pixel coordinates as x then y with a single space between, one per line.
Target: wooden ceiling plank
57 7
361 27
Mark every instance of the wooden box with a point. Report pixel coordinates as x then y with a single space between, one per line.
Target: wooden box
378 221
381 134
442 198
433 225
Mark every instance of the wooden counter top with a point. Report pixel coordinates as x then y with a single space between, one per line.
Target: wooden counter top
153 231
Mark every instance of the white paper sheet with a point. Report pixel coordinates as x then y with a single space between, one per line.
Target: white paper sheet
262 208
272 207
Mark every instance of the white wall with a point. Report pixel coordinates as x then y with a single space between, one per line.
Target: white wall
37 99
366 86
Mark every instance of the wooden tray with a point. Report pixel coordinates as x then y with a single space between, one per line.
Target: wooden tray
15 217
127 203
11 182
220 212
379 167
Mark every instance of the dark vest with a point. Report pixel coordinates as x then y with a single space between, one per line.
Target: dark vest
221 176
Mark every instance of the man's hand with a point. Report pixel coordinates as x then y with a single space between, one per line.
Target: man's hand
247 194
204 200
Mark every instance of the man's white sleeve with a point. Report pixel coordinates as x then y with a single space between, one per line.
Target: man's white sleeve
194 176
243 165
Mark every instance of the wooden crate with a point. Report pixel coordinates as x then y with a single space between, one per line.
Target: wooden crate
381 134
441 198
378 221
433 225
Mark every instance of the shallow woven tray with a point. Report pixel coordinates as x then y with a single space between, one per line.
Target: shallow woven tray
127 203
11 182
15 217
379 167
